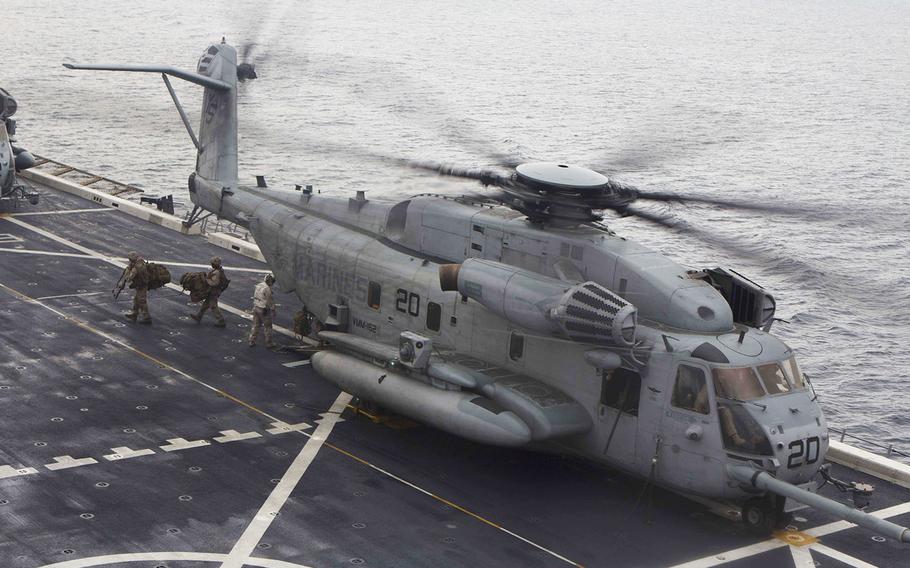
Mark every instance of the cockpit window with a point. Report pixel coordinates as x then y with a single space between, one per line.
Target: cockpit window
740 430
737 383
793 374
773 378
690 391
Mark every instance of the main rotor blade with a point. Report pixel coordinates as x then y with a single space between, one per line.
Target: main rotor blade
734 247
484 176
670 197
660 220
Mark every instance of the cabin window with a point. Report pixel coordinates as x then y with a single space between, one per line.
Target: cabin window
374 295
621 389
434 316
478 229
516 346
476 246
691 390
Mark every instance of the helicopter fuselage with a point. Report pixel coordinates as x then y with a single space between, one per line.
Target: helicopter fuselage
652 409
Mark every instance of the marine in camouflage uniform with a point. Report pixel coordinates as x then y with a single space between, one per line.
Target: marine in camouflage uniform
263 311
137 278
215 278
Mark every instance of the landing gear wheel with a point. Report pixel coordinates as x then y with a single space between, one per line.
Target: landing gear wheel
758 516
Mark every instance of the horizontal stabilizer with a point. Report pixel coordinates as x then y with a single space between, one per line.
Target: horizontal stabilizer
172 71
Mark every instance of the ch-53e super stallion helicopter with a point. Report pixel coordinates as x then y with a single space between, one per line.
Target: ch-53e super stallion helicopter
529 325
12 158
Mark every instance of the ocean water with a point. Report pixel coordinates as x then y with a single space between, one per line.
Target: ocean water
802 104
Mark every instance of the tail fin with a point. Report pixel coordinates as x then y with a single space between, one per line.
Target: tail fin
216 160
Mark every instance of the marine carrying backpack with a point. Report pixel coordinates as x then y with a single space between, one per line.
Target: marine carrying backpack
195 282
158 275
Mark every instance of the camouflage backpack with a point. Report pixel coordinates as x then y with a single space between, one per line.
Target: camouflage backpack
196 284
158 275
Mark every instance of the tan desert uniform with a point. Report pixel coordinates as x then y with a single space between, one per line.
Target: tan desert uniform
214 278
137 278
263 310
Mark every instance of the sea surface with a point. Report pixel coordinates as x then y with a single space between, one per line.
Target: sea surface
802 104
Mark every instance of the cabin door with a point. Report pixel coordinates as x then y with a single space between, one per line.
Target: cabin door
618 415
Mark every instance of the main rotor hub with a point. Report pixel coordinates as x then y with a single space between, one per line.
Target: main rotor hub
561 177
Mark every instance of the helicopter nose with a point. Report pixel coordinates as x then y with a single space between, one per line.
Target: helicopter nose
800 442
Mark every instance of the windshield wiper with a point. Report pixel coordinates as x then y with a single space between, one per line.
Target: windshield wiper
811 386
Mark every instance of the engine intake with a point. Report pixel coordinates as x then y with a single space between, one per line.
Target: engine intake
585 312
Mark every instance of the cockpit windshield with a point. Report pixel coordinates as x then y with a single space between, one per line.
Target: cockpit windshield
773 378
737 383
793 374
750 383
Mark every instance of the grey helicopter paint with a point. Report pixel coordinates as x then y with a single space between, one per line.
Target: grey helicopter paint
532 325
12 158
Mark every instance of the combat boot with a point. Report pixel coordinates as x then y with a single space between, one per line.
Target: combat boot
130 316
197 317
220 323
146 320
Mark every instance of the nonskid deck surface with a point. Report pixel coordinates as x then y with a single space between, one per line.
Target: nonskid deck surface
177 445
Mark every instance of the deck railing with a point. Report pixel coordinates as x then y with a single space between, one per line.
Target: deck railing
888 449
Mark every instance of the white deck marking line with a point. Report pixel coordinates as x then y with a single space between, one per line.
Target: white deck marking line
838 526
7 471
66 462
293 364
735 554
124 453
802 558
165 557
119 263
123 260
115 341
840 556
278 423
228 436
254 532
772 543
203 266
178 444
277 328
47 253
60 239
64 212
82 295
283 427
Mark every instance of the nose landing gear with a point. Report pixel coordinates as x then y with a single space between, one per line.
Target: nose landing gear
762 515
